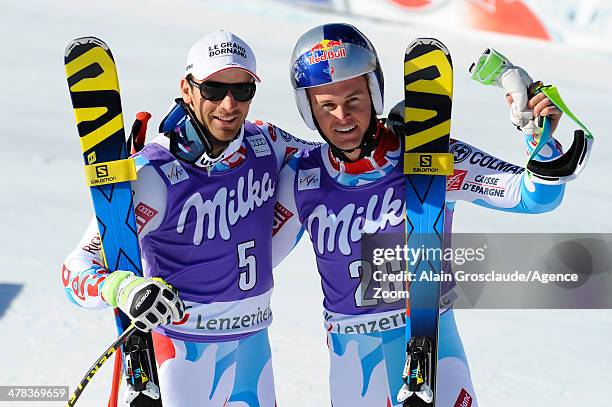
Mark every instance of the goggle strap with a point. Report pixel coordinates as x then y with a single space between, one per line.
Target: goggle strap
202 133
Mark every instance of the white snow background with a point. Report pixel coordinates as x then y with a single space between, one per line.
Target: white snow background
527 358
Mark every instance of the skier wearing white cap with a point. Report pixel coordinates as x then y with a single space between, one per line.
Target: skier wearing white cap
205 207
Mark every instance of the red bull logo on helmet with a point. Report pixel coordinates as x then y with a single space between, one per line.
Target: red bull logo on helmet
325 50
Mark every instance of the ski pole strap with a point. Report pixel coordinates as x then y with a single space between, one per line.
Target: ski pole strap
542 132
491 64
543 138
429 163
552 93
110 172
487 70
570 164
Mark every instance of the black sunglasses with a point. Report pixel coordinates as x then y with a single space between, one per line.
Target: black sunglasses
215 91
188 139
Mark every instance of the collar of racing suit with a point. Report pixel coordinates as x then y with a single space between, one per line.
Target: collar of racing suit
376 159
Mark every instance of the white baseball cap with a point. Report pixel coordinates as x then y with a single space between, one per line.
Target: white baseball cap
218 51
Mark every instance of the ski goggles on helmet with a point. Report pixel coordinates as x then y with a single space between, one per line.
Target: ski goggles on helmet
188 137
216 91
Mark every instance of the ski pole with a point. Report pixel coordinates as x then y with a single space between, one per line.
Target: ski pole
98 364
116 382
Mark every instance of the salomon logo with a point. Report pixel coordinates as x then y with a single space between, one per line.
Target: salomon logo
425 160
102 171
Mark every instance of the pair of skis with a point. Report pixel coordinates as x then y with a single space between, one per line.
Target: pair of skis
94 91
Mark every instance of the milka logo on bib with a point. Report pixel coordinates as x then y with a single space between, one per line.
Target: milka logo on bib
226 208
352 222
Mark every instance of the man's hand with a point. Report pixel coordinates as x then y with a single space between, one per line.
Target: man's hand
492 68
149 302
540 105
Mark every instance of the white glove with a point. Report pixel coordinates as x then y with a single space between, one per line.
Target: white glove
516 81
149 302
492 68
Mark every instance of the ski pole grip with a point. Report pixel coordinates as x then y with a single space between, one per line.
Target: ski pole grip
139 130
533 89
489 67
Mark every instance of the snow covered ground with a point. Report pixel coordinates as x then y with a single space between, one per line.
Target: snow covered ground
526 358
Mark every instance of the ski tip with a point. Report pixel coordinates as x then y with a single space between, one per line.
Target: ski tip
427 41
94 41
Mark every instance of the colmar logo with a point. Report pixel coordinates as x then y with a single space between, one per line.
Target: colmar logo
461 152
495 164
